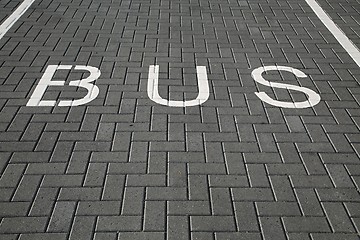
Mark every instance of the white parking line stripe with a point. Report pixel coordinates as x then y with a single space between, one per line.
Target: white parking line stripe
345 42
11 20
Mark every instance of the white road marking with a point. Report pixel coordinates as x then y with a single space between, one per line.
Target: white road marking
92 90
45 81
313 97
11 20
345 42
153 91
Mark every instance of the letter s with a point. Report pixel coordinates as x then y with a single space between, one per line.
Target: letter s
313 97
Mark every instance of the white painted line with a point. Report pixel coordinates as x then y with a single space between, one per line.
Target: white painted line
345 42
11 20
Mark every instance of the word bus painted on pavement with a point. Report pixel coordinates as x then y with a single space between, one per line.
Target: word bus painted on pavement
152 87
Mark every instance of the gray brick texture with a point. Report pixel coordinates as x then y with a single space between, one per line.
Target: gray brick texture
124 167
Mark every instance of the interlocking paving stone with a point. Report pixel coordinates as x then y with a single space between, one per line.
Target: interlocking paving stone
82 227
278 209
119 223
246 217
43 236
212 223
272 228
320 236
61 217
124 167
142 235
23 224
306 224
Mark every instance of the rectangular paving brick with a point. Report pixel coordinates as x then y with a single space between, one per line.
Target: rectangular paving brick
109 157
246 216
257 175
23 224
221 201
212 223
61 217
188 208
331 158
45 168
142 235
285 169
8 209
306 224
82 228
186 157
177 175
62 181
213 151
17 146
146 180
272 228
80 193
177 227
237 235
206 168
252 194
198 187
166 193
289 152
30 157
45 236
282 189
338 195
317 181
138 152
234 163
155 216
95 208
278 209
228 181
95 174
119 223
167 146
262 158
133 203
330 236
127 168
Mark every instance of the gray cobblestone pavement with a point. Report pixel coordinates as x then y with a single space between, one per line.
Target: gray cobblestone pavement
124 167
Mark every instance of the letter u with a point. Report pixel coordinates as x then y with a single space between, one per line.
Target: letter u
153 90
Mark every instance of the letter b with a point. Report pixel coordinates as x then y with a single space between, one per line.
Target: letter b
45 81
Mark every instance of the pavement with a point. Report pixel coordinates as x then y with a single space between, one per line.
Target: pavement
179 119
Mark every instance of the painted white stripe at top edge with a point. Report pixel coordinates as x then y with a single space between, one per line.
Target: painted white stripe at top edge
340 36
11 20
